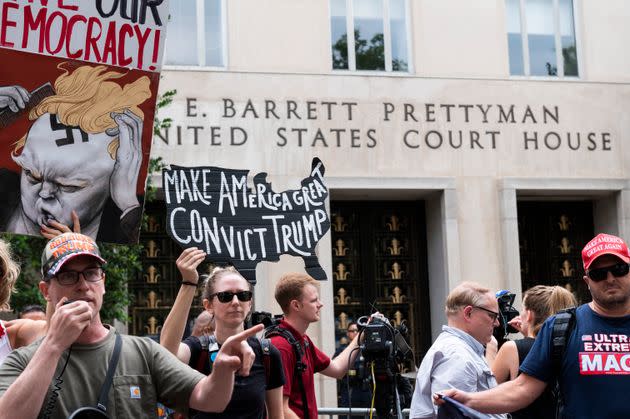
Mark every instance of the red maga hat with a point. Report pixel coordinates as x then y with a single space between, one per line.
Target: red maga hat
604 244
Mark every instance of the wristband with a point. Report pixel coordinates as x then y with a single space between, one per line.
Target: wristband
192 284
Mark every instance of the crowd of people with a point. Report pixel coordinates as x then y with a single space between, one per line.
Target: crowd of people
62 359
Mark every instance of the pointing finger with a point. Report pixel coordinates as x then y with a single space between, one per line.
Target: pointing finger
242 336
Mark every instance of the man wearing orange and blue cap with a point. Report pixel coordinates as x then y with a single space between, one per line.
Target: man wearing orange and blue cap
593 366
74 367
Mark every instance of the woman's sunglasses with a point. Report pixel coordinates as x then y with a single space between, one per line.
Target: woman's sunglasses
600 274
228 296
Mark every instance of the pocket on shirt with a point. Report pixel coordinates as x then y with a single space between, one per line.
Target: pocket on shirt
134 396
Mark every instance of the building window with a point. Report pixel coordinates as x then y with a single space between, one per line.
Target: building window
380 35
195 34
541 38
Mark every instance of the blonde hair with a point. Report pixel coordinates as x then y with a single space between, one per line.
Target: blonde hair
210 280
9 272
465 294
85 98
290 288
544 301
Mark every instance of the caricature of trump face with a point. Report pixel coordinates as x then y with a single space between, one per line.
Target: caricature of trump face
71 157
63 169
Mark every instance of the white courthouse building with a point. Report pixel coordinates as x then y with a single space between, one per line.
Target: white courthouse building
483 140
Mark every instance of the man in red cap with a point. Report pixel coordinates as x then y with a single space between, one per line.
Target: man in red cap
68 370
594 369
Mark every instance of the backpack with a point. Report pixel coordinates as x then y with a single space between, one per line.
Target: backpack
563 326
210 347
300 366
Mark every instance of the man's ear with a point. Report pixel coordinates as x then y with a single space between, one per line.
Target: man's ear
467 312
295 304
43 288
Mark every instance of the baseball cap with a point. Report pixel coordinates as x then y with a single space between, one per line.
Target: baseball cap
63 248
604 244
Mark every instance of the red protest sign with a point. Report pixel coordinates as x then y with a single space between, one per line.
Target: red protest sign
78 87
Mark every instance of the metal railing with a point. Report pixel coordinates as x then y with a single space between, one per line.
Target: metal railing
357 412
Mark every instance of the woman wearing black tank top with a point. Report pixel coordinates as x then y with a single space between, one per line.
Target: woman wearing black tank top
227 296
539 303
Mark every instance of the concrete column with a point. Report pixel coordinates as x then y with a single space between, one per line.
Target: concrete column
442 252
510 250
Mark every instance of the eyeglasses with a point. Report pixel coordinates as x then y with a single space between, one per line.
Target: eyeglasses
600 274
72 277
353 330
228 296
493 314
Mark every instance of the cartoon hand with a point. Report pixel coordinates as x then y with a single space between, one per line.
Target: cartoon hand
14 97
55 228
128 159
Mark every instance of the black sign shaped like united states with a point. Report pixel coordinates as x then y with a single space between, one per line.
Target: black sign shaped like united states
213 209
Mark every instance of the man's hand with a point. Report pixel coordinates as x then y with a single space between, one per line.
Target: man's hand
124 180
236 355
460 396
187 263
212 393
67 323
55 228
14 97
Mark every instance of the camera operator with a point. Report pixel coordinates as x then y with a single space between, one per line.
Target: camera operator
456 358
298 296
352 391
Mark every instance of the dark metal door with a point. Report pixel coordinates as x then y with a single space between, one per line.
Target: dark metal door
551 238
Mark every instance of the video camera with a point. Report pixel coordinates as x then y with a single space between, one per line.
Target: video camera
383 348
382 340
265 318
506 313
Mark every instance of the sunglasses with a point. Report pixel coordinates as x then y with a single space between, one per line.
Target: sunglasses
600 274
493 314
228 296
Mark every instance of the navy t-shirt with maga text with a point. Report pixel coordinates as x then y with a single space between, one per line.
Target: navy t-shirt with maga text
595 372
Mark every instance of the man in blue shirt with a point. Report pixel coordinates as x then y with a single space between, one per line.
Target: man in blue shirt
595 371
456 358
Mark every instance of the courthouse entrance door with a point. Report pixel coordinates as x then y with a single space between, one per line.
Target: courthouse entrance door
379 262
551 238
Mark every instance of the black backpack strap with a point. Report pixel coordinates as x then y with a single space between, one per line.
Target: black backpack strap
265 345
206 342
109 378
563 326
300 366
